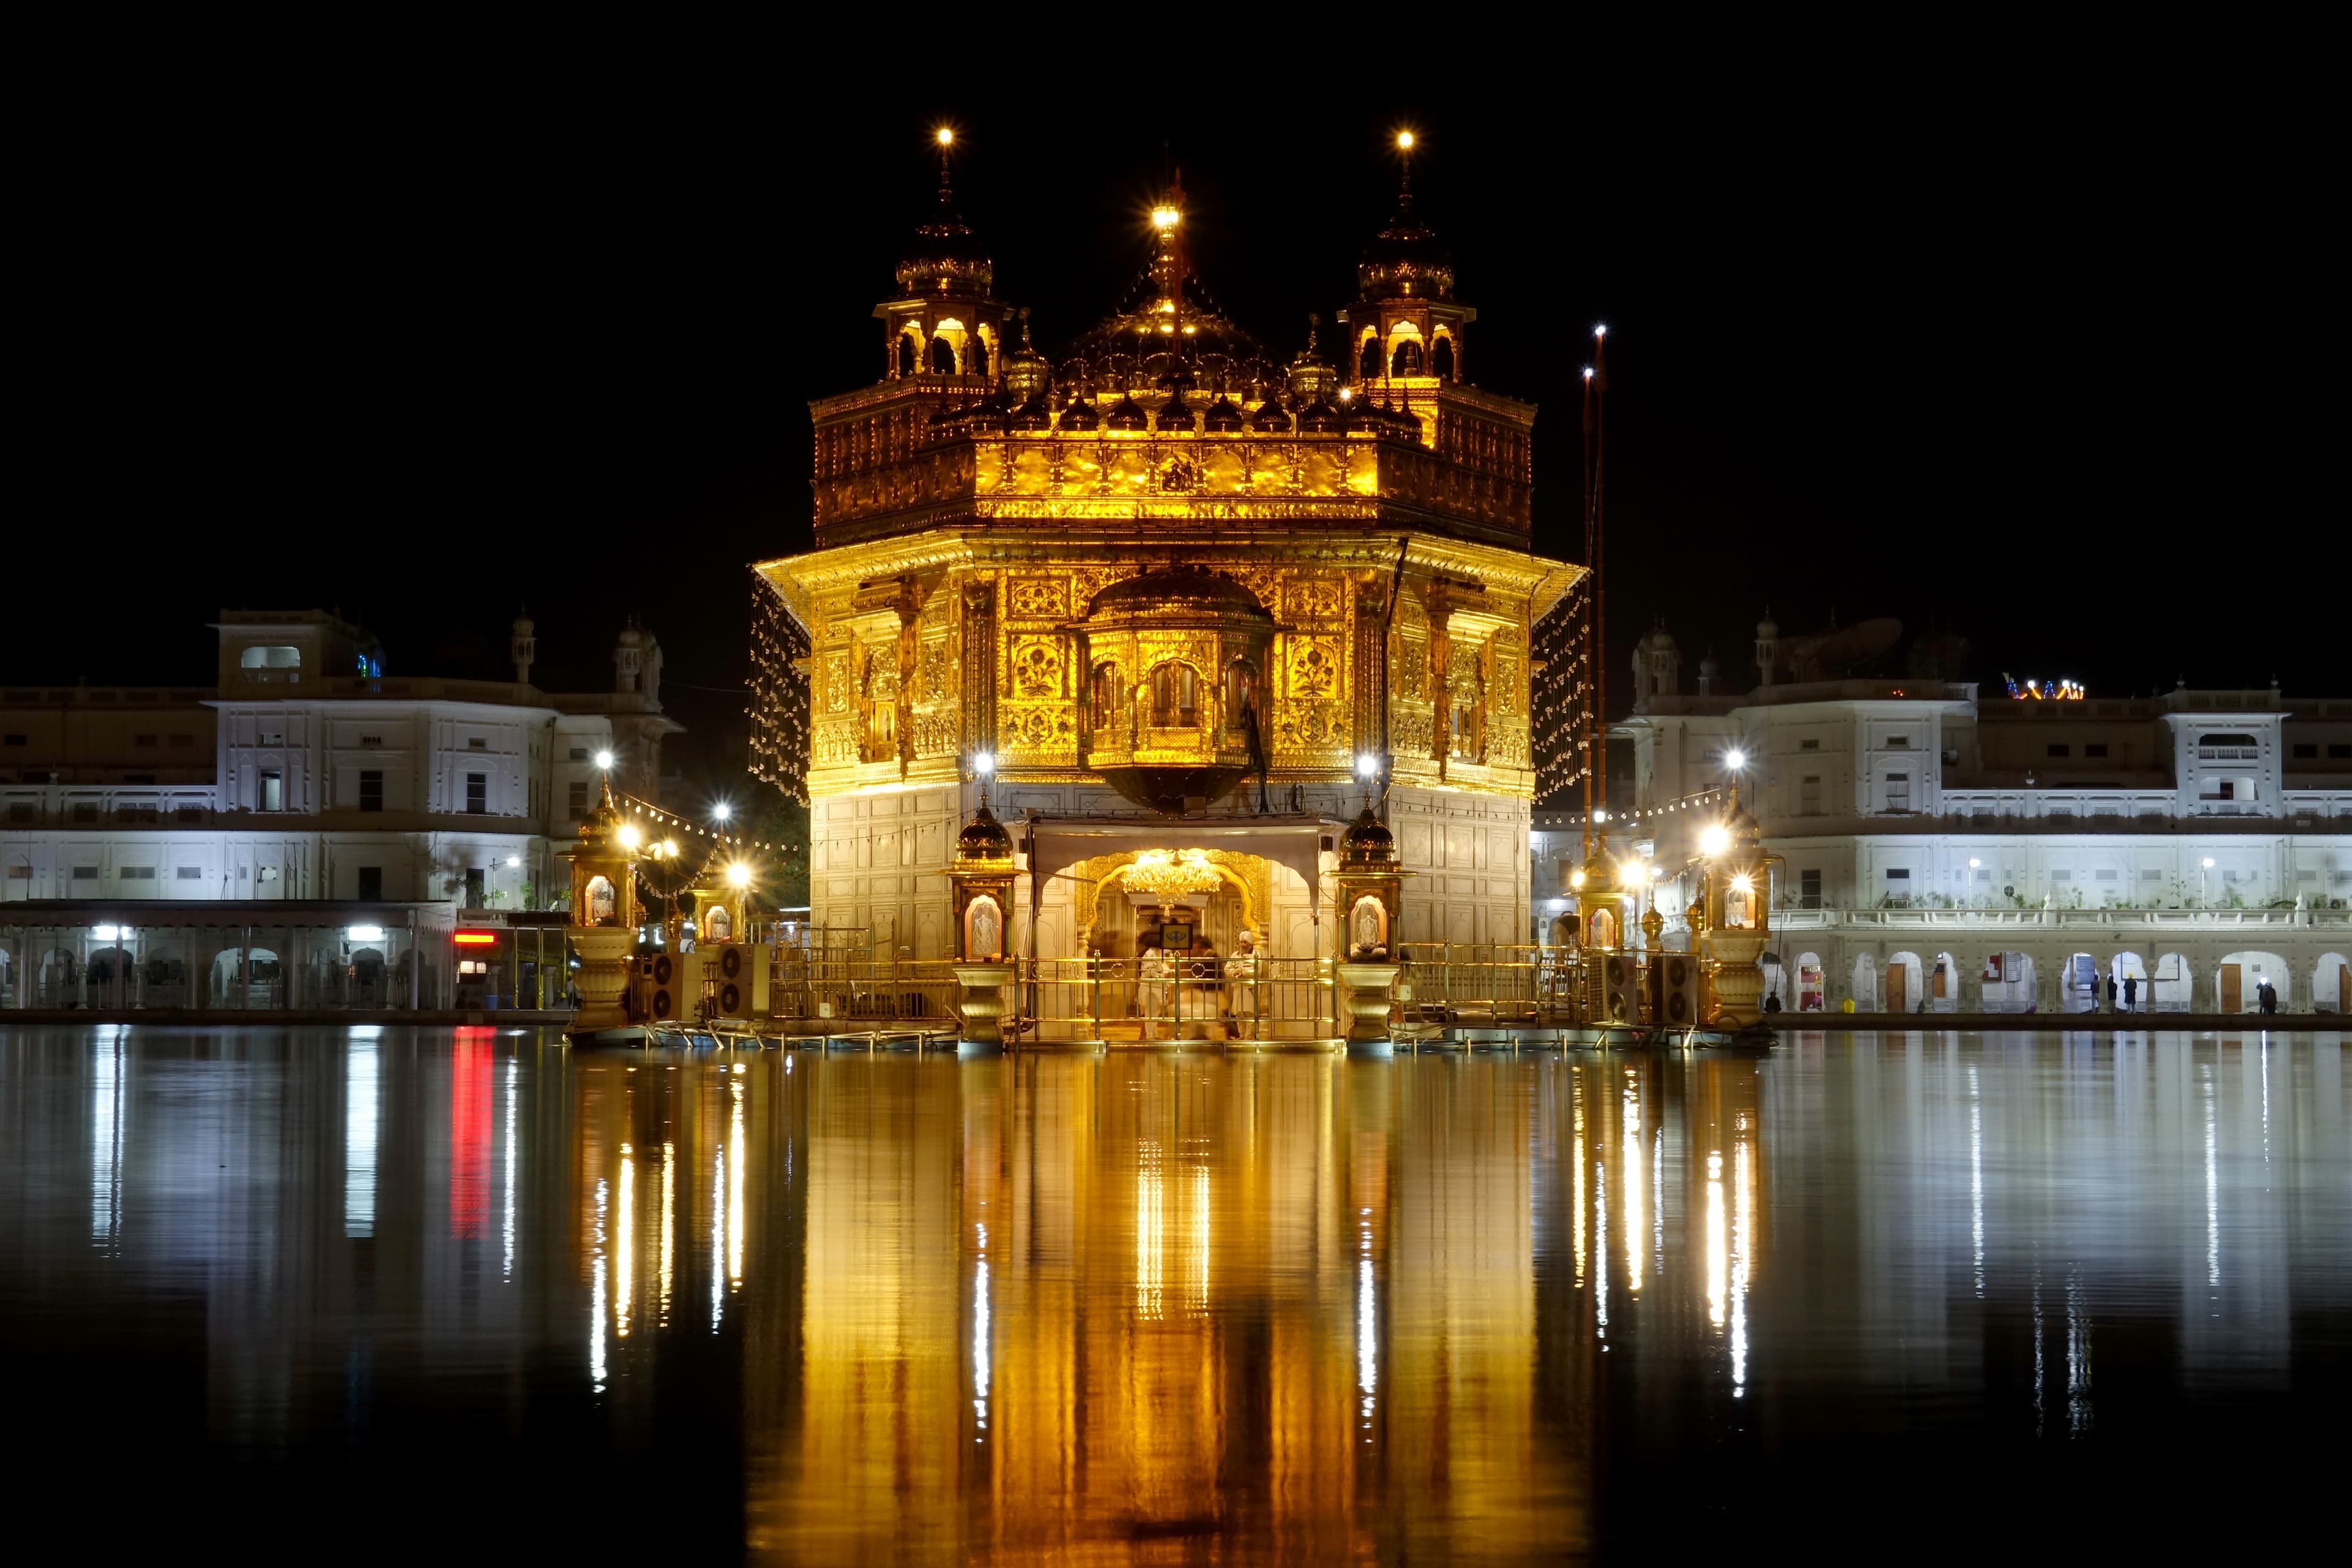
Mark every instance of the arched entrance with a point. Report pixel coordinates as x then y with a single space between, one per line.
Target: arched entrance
2331 984
1810 996
1866 985
247 977
1944 985
2130 973
2238 982
2079 985
2173 987
2008 982
1905 994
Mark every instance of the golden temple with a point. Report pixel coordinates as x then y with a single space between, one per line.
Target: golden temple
1177 593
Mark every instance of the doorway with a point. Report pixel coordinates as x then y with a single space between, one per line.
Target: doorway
1898 988
2233 998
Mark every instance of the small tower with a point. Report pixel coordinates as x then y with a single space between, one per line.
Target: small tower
1657 666
1768 649
1406 329
944 325
1709 673
523 647
629 660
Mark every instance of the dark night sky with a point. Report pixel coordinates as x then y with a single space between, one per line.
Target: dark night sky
2026 359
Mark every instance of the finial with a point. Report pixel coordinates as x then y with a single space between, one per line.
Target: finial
1314 319
1404 187
1025 330
945 136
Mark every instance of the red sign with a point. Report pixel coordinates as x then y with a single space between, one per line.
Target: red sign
475 937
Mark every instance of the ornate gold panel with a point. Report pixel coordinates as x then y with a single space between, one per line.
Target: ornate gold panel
1038 669
1039 598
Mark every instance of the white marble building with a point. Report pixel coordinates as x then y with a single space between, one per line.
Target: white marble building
2180 819
308 774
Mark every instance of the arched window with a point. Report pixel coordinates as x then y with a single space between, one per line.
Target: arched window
1240 696
943 357
718 925
603 904
1408 359
909 355
1441 359
1175 697
984 930
1102 695
1603 928
878 704
1368 364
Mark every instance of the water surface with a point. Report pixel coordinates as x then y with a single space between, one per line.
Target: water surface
374 1291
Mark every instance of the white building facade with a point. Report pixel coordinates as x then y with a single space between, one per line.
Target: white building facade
310 774
2204 834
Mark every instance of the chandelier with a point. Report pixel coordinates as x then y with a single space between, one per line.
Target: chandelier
1169 874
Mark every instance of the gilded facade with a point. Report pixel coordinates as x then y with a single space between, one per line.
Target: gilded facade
1167 575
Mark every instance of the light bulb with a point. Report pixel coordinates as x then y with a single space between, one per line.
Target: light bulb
605 759
1715 839
947 135
1404 141
738 875
722 811
1734 759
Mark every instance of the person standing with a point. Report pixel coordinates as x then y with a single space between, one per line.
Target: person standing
2111 991
2131 992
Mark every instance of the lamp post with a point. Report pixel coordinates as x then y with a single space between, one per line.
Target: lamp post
981 881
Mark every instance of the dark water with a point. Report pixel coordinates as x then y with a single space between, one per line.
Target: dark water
358 1293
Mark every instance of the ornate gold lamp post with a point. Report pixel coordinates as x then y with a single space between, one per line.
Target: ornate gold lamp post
603 928
1371 900
981 880
1737 900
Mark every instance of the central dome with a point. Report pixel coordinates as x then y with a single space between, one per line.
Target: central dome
1174 589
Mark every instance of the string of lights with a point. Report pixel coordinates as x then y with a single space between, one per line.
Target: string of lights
1687 803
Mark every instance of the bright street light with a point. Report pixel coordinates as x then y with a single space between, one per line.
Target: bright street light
722 811
1368 767
514 859
1715 840
628 836
738 875
984 762
1734 759
605 760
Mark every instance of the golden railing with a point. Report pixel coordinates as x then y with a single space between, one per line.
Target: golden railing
1174 999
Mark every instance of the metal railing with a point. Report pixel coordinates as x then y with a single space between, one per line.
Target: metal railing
1175 998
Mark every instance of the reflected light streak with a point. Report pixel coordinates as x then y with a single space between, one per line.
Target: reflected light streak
1632 1191
2078 1358
1976 1179
1150 1204
1600 1248
596 1300
507 1227
1576 1102
1658 1200
1718 1241
1197 1287
719 1240
2212 1187
980 1332
106 1147
1367 1317
669 1226
359 1104
1743 1233
625 1284
736 1176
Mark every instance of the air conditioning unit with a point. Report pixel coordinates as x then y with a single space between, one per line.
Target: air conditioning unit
1680 1001
740 972
1621 1001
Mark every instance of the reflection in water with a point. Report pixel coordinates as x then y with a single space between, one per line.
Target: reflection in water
360 1113
1151 1306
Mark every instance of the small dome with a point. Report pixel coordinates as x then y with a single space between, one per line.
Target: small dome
1406 260
1767 627
984 838
1320 416
1026 373
1659 640
1176 415
631 637
523 626
1081 414
596 828
1708 667
1367 840
1224 415
1126 414
1174 586
944 256
1269 419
